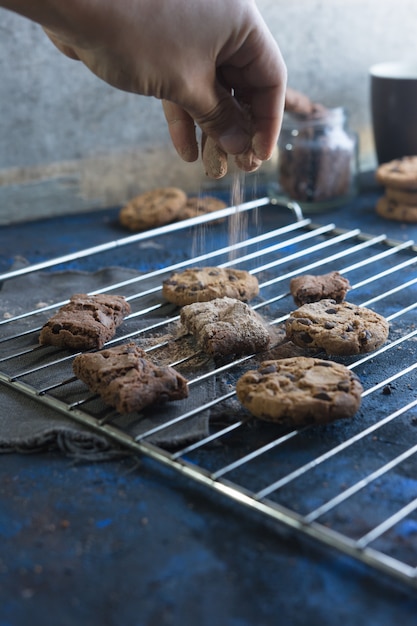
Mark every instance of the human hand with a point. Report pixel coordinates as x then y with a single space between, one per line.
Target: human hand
237 100
214 64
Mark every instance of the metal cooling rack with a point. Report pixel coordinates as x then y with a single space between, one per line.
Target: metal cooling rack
350 485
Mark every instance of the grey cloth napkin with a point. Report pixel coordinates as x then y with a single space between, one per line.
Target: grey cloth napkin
26 425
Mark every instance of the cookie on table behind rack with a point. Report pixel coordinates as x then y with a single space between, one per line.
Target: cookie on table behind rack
399 173
391 209
153 208
406 196
399 202
201 205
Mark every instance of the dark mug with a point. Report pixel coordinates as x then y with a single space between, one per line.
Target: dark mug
394 110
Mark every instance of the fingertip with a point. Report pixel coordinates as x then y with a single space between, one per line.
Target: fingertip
263 145
188 152
248 162
187 149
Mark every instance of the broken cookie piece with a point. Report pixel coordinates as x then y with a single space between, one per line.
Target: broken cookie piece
310 288
85 322
128 381
225 326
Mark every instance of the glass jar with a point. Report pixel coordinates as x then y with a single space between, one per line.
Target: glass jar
317 159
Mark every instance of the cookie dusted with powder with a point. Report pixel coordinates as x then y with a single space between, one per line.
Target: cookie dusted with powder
399 173
202 284
128 381
299 391
85 322
310 288
225 326
153 208
337 328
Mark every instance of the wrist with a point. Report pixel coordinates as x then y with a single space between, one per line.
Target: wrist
40 11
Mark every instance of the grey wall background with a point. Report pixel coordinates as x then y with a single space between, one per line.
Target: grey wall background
70 142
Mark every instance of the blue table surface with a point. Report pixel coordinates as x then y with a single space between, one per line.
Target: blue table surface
129 542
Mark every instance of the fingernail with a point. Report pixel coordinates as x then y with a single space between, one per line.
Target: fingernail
234 141
248 162
262 148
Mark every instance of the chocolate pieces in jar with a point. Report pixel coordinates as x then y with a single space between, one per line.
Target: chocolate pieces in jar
317 158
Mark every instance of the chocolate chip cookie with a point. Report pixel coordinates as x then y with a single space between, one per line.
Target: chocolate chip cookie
225 326
153 208
86 322
299 391
201 205
202 284
300 104
337 328
399 173
128 381
406 196
310 288
397 210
